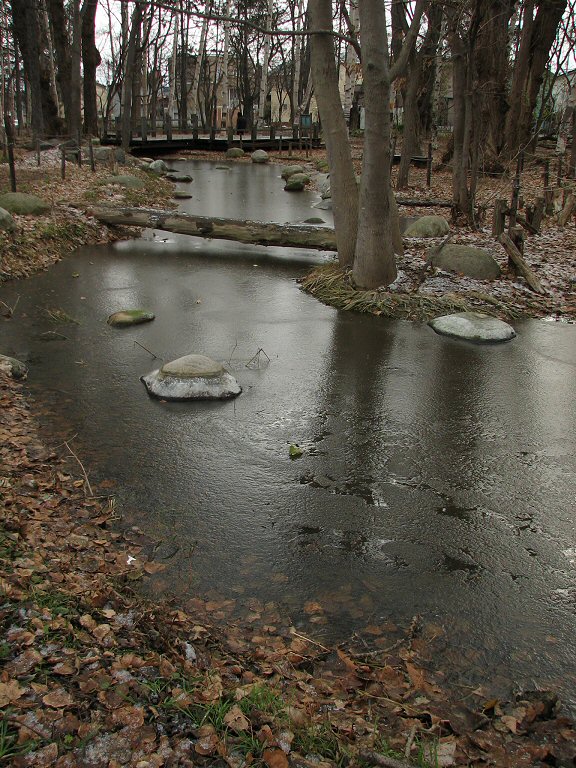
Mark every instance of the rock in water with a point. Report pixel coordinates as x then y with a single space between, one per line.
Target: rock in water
193 377
130 317
234 152
290 170
13 367
473 326
428 226
158 166
181 178
296 182
259 156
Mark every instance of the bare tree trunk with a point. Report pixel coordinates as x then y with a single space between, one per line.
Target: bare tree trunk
27 33
58 28
90 61
538 33
45 24
297 58
129 75
75 117
226 111
378 225
200 58
351 63
342 178
265 61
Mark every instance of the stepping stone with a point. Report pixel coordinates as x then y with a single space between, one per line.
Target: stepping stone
180 178
296 182
222 168
290 170
130 317
179 194
314 220
473 326
192 377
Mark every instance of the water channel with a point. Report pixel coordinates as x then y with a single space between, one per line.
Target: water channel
438 477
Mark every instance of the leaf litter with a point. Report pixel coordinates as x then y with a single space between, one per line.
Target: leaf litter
93 675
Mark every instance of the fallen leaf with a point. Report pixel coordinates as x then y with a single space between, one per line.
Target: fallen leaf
275 758
10 692
236 720
58 699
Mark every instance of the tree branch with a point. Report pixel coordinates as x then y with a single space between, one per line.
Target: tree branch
401 62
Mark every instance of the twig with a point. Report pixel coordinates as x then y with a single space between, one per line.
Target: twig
309 640
410 741
256 357
81 467
382 760
10 309
149 352
231 353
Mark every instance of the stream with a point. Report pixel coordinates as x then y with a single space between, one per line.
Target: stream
437 476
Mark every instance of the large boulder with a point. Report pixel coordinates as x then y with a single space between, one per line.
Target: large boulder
23 204
290 170
473 326
296 182
13 367
158 166
128 182
193 377
259 156
130 317
7 223
472 262
428 226
235 152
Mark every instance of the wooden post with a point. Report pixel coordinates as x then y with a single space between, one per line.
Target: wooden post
79 148
272 132
538 214
230 134
38 152
289 149
168 125
566 212
254 135
499 219
295 131
393 150
63 162
144 129
429 166
560 163
212 136
280 143
515 192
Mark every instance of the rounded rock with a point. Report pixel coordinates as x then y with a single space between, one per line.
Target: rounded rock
428 226
259 156
235 152
7 223
192 377
290 170
473 326
23 204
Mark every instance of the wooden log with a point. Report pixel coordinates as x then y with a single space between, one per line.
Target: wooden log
521 266
566 212
528 226
424 203
252 232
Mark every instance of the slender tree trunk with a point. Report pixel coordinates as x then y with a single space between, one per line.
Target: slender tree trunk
538 33
342 178
129 74
90 61
226 111
378 224
265 61
350 65
75 118
59 36
200 59
27 32
45 25
297 58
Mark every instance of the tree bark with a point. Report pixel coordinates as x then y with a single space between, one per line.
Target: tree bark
342 177
129 75
59 29
90 61
378 227
538 33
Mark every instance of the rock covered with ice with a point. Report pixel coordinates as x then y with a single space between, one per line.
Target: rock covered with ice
473 326
192 377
